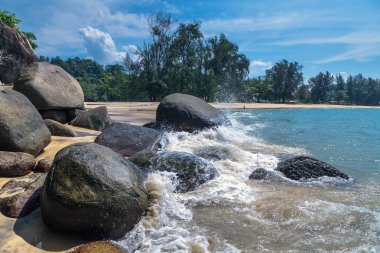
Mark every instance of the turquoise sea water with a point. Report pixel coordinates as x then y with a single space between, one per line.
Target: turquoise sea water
346 138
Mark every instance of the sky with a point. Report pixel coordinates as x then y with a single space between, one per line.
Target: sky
340 36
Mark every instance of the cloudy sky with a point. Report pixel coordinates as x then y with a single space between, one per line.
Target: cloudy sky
335 35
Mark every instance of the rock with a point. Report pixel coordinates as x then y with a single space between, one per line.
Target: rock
57 129
43 166
49 87
21 126
151 125
191 170
15 164
21 196
99 247
56 115
263 174
128 139
188 113
96 119
17 50
303 167
93 191
71 115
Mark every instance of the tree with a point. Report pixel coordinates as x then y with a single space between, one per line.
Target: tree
320 87
341 93
10 19
303 93
286 77
259 88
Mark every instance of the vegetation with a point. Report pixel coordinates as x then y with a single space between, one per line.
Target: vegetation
9 19
178 58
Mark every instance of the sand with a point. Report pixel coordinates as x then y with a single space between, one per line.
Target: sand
30 234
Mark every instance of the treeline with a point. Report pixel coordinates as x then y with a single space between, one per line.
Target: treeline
178 58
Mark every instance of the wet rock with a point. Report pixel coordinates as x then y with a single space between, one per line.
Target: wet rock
93 191
15 164
43 166
96 119
49 87
99 247
58 129
151 125
183 112
17 51
191 170
56 115
263 174
128 139
21 126
303 167
21 196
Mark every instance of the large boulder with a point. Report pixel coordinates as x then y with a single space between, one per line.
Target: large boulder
49 87
128 139
303 167
16 53
58 129
93 191
43 165
187 113
16 164
96 119
21 196
191 171
21 126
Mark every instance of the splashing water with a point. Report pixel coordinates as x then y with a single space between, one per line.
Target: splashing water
233 214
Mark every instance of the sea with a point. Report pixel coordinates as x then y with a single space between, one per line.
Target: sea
234 214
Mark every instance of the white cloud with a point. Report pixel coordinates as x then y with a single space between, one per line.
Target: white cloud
100 46
258 67
131 50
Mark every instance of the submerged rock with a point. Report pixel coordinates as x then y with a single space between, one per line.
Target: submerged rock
21 126
15 164
21 196
303 167
58 129
263 174
43 166
99 247
191 170
183 112
96 119
128 139
49 87
93 191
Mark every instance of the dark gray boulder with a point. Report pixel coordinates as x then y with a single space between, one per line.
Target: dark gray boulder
191 170
128 139
16 52
303 167
49 87
151 125
183 112
93 191
16 164
43 166
56 115
266 175
96 119
21 126
58 129
21 196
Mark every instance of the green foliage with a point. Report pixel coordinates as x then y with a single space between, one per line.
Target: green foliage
10 19
286 77
321 86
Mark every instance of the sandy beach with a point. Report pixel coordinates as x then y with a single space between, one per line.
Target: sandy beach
30 234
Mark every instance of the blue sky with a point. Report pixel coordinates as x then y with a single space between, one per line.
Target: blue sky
335 35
